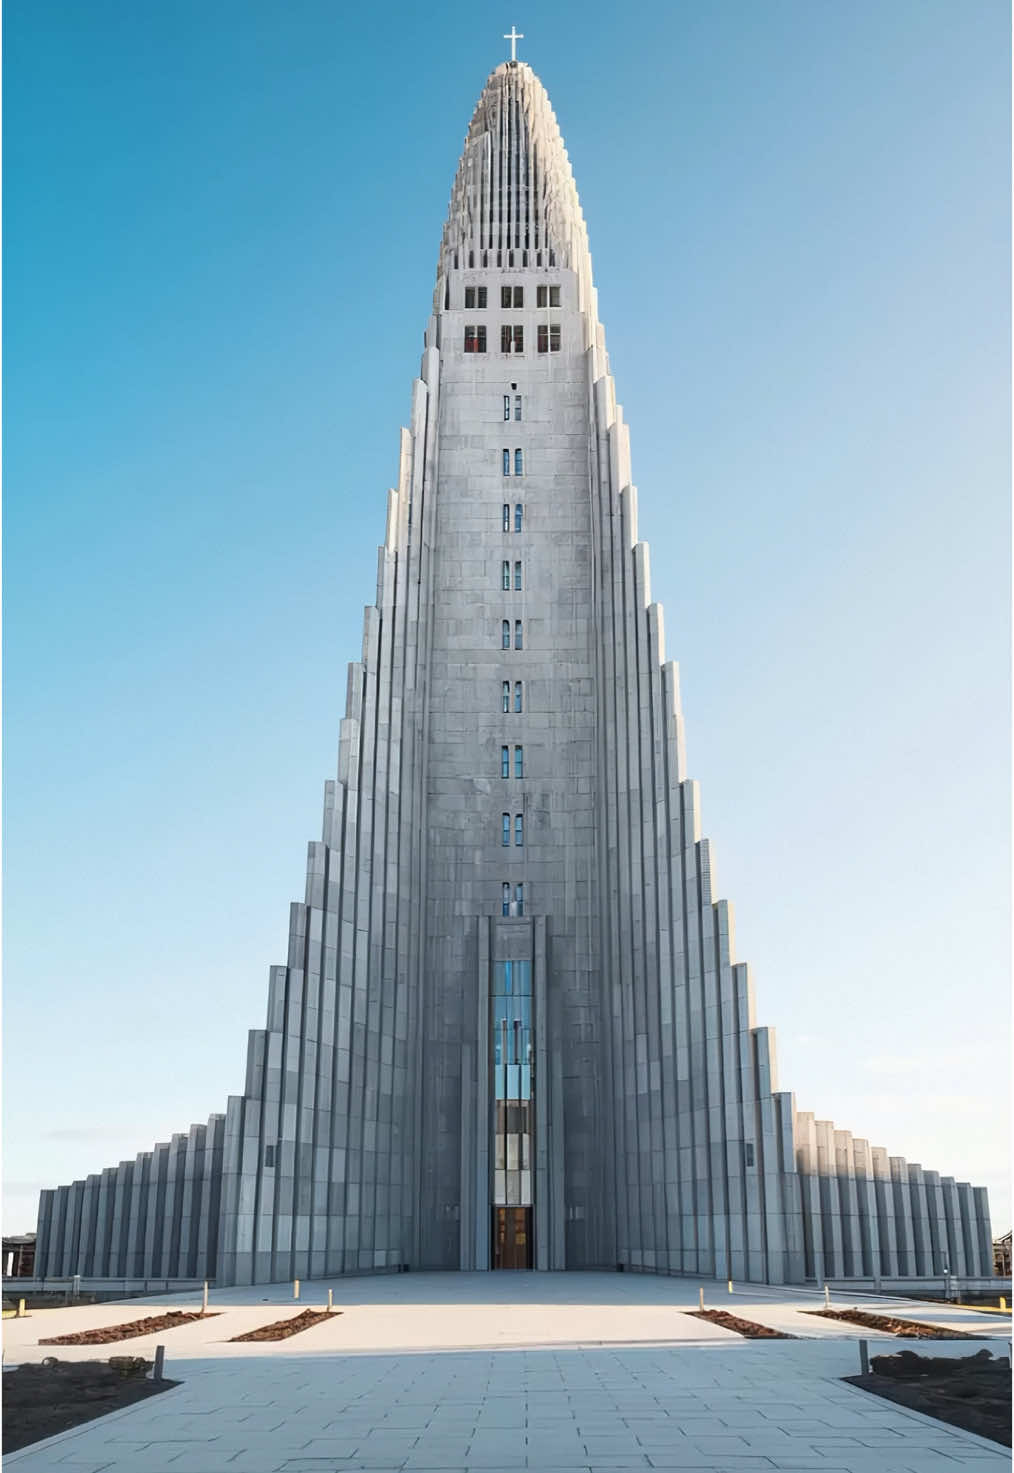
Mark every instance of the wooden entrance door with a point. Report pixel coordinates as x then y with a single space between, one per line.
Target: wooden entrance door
512 1237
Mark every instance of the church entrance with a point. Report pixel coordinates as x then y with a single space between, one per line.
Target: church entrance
512 1237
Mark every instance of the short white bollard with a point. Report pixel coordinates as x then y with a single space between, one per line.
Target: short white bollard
21 1309
76 1287
158 1370
827 1297
700 1295
730 1286
330 1300
204 1299
295 1288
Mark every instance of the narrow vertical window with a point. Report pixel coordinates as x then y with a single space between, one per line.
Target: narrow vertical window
519 899
519 462
505 575
506 900
269 1151
518 515
505 635
517 634
518 696
506 516
506 406
519 830
517 406
517 575
505 761
505 296
506 462
519 761
480 294
470 298
505 338
506 830
506 692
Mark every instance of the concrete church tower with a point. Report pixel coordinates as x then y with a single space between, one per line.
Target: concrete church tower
511 1030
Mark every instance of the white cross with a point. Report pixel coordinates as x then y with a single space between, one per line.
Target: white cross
514 37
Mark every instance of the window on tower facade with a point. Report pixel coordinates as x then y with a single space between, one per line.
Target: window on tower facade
505 761
506 693
547 296
519 462
475 339
549 338
506 837
517 575
512 296
517 634
505 635
269 1155
506 406
518 696
505 576
506 900
519 900
475 296
519 830
519 761
506 462
517 406
512 338
506 516
518 514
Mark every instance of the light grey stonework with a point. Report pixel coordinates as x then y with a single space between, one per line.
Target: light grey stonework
513 615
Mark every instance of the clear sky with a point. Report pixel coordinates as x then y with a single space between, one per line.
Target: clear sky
221 227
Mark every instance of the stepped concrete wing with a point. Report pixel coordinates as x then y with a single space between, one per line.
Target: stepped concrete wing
511 1029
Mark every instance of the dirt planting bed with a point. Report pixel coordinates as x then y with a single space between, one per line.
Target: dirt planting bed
972 1392
748 1328
40 1401
282 1329
908 1329
109 1334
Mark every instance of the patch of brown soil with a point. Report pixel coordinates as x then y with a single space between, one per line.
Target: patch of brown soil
909 1329
282 1329
749 1328
40 1401
972 1392
109 1334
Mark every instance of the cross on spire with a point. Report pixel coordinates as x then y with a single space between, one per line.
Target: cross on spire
514 37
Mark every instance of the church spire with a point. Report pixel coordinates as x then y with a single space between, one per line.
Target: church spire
514 202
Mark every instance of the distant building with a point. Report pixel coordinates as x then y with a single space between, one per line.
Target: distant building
19 1256
511 1030
1002 1256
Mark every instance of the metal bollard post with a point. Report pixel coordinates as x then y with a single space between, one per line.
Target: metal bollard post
158 1370
21 1309
76 1287
295 1288
700 1294
204 1299
730 1286
1003 1304
827 1297
864 1357
330 1300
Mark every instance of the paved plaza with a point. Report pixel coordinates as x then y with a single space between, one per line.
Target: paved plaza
488 1372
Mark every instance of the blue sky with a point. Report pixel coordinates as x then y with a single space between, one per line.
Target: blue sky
221 230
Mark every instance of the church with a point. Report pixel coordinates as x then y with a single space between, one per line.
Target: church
511 1030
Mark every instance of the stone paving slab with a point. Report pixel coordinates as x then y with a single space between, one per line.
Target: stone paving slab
720 1408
